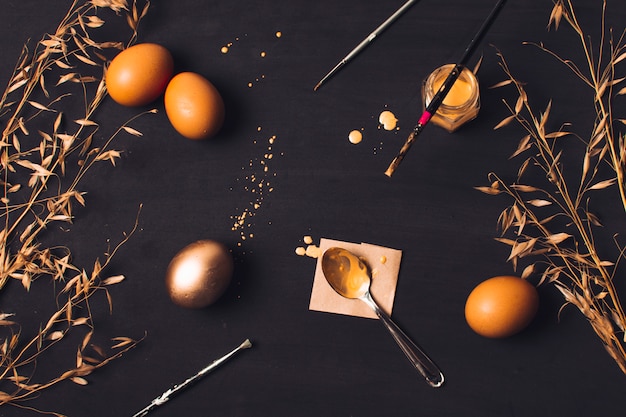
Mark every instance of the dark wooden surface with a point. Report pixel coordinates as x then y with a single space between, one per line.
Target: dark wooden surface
307 363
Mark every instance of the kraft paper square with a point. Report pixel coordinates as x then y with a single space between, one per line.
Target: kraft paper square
384 264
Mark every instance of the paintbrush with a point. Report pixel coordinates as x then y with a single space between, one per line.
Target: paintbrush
365 42
166 396
434 104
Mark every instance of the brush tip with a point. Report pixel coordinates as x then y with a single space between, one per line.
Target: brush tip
392 167
246 344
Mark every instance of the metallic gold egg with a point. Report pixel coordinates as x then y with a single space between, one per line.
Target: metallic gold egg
199 274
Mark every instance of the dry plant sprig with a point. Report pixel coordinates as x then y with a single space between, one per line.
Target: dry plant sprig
551 216
47 147
18 359
44 160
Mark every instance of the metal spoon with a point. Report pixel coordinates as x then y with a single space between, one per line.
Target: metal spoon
350 278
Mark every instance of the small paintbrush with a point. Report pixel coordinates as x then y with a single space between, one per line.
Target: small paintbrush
165 397
434 104
365 42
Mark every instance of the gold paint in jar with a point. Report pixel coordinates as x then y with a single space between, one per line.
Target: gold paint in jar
462 102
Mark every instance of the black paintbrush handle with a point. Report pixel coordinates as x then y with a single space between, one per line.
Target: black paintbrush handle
471 47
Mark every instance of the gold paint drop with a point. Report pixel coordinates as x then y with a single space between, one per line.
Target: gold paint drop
355 137
388 120
312 251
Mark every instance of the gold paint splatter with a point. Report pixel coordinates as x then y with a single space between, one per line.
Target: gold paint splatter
256 80
263 54
383 259
355 137
388 120
256 184
226 47
311 250
279 34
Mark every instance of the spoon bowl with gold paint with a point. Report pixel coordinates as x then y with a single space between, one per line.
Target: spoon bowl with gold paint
350 278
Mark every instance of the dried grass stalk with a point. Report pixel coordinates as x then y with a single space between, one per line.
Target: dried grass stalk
551 217
49 143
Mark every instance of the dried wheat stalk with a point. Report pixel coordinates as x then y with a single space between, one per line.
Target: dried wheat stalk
551 216
45 152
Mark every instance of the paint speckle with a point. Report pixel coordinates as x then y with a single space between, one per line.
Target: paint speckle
256 80
256 183
226 48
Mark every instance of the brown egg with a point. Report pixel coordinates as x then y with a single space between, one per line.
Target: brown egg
199 274
501 306
138 75
193 105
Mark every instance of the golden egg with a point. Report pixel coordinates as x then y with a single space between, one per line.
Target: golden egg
501 306
139 74
193 105
199 274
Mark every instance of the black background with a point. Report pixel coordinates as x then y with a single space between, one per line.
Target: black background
307 363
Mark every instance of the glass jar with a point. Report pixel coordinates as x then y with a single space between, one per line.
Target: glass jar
462 102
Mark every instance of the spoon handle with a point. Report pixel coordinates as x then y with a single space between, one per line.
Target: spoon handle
419 359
